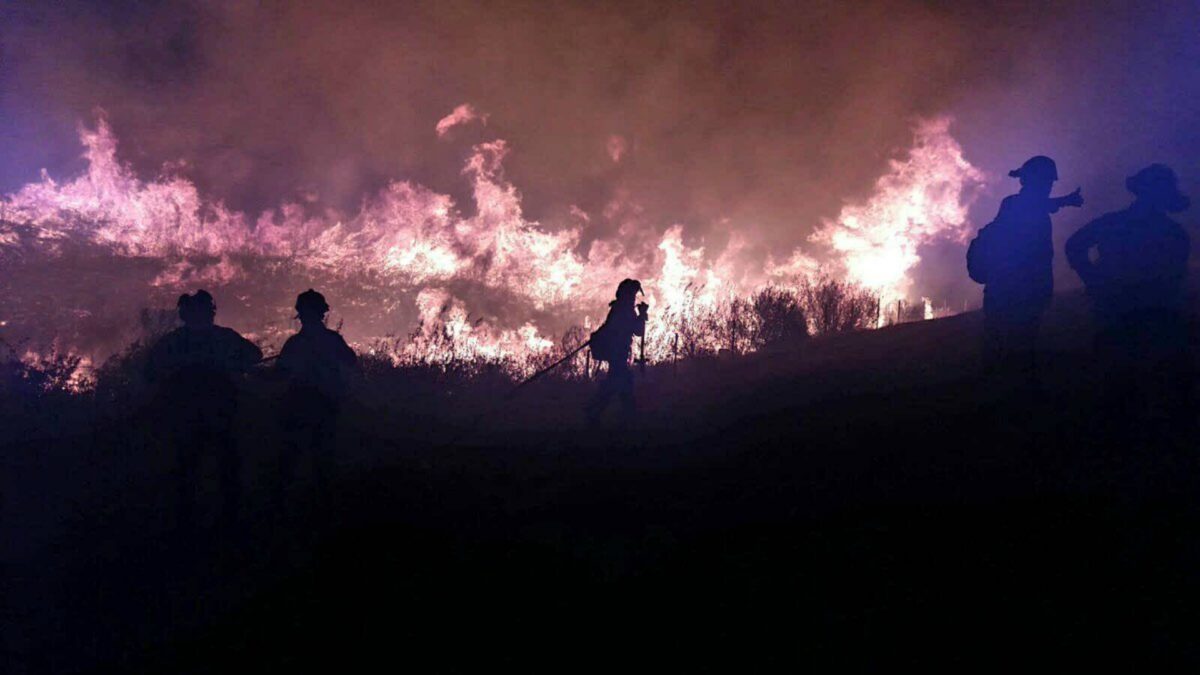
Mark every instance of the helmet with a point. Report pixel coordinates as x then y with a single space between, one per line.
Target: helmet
197 307
202 299
629 287
1039 167
1158 185
312 301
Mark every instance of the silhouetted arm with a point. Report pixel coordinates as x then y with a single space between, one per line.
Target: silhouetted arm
346 355
639 321
1073 199
252 353
244 352
287 355
1078 249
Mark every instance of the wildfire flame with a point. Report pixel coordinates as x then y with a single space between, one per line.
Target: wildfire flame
490 285
922 197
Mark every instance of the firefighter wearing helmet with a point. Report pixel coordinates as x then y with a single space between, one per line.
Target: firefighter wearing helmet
1134 263
1013 257
317 364
195 369
612 343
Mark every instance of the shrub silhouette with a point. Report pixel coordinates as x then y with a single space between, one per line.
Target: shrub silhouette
833 306
778 318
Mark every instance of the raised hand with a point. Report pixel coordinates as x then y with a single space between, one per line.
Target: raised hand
1073 199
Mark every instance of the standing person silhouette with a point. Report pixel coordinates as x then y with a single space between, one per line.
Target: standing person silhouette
612 342
316 362
1020 281
194 367
1136 283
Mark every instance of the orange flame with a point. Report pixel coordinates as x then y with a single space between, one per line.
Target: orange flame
920 198
417 247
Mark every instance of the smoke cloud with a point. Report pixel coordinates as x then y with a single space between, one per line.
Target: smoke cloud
744 127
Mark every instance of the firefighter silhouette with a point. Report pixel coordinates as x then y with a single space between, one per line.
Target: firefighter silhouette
612 343
1136 285
194 368
1017 256
317 364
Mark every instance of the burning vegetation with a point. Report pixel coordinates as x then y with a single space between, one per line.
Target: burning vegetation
420 279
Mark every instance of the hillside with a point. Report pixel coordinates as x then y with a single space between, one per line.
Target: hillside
860 500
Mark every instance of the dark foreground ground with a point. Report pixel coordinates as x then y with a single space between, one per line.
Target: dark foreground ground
870 500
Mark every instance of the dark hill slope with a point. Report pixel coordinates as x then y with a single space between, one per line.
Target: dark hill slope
860 501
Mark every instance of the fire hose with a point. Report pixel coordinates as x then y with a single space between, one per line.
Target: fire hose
548 368
641 360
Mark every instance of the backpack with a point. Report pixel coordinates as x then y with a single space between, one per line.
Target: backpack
980 255
603 344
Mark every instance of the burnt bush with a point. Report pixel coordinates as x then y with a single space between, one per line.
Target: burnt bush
833 306
32 374
778 318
